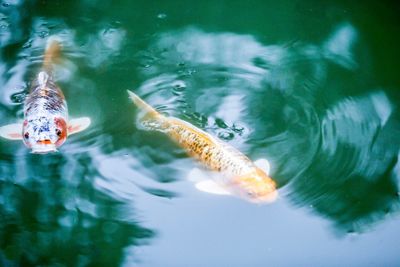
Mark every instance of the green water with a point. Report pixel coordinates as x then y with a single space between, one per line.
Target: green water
312 86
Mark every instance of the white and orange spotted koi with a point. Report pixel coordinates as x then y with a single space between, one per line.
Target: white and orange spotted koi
240 176
45 126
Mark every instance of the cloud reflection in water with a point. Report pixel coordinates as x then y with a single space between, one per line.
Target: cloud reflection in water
326 149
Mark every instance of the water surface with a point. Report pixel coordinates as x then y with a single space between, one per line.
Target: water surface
312 87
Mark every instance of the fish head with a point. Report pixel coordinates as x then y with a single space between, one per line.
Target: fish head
44 134
255 186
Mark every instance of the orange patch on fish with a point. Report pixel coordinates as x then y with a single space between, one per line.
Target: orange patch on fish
45 142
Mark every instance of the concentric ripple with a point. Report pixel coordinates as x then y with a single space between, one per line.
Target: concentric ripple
278 102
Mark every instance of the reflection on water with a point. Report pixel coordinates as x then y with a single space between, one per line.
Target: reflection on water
352 180
52 210
58 216
312 108
335 153
339 46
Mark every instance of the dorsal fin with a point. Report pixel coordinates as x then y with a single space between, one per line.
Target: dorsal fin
148 117
52 53
149 111
42 79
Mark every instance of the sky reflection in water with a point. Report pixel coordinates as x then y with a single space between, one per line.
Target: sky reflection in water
313 109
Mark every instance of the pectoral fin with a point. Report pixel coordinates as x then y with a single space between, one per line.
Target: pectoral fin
263 164
211 187
197 175
11 131
78 125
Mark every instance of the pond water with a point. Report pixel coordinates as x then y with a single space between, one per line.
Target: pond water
313 87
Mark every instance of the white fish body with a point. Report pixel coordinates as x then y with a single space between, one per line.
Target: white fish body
46 125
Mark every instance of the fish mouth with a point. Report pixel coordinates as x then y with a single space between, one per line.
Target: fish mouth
44 142
44 149
267 198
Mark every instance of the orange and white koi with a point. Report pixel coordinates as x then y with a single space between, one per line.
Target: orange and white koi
45 126
240 176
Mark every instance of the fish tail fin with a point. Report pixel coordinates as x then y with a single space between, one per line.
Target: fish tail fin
52 53
148 117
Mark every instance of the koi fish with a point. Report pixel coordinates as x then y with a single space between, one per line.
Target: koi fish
46 125
239 176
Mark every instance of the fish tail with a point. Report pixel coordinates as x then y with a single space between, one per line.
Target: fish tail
148 113
52 53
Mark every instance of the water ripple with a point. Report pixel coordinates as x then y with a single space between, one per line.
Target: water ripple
274 94
356 160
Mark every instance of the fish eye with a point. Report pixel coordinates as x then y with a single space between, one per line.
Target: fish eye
26 135
58 132
251 193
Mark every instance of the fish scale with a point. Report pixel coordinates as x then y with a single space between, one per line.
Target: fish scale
46 98
216 155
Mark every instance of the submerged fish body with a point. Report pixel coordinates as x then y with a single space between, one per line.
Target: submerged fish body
45 126
239 175
213 153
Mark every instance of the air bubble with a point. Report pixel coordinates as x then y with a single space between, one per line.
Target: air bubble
43 34
191 72
220 123
162 16
237 129
27 44
226 136
179 86
18 98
